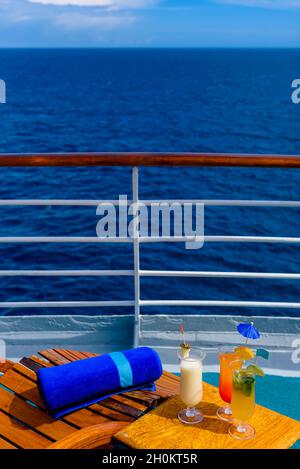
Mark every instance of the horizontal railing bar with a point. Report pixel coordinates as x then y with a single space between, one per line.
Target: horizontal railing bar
239 304
62 239
95 203
65 273
149 159
64 304
91 304
224 203
149 239
212 274
251 239
49 202
146 273
222 239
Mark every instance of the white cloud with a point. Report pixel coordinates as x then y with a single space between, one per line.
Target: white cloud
78 21
70 15
111 4
84 3
281 4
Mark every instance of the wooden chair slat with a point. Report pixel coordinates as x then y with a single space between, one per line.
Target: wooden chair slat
33 417
71 355
87 354
39 360
5 365
110 414
6 445
23 387
145 397
120 407
21 435
53 357
84 418
24 370
30 364
130 402
65 354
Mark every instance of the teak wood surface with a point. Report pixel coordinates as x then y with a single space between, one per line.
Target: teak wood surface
161 429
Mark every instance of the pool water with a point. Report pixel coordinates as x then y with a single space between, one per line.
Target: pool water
275 392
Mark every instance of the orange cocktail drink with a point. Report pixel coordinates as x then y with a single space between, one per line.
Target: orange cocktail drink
227 356
225 383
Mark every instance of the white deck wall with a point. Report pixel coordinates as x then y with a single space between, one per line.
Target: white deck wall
25 335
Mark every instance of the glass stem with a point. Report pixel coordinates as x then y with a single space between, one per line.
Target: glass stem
190 412
241 428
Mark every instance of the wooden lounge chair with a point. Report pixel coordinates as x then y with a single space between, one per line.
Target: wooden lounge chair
24 422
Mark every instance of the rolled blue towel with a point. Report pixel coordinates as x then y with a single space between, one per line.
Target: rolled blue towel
70 387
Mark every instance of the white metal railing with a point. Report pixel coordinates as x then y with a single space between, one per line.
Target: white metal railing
152 239
136 272
96 202
66 273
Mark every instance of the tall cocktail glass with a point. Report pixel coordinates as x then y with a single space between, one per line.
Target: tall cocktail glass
226 357
191 387
243 400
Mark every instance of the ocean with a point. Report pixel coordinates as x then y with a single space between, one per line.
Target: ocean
199 100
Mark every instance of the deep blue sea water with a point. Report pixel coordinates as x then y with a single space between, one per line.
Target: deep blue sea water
150 100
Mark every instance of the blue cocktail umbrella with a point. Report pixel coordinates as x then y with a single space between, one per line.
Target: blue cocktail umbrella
248 330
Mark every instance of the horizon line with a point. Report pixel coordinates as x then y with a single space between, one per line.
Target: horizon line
152 47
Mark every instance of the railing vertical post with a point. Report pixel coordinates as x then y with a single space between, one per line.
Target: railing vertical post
136 251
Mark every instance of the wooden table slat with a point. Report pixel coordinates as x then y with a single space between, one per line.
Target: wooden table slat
161 429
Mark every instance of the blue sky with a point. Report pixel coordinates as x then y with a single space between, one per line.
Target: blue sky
150 23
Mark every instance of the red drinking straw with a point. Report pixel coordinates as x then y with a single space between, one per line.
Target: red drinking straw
182 332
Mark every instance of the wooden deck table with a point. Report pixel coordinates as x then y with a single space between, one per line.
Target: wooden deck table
24 422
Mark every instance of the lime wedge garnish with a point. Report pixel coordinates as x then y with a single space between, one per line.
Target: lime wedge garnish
255 369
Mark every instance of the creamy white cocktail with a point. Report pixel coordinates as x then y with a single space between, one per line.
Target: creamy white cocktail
191 388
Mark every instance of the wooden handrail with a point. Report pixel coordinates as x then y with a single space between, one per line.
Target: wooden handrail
150 159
